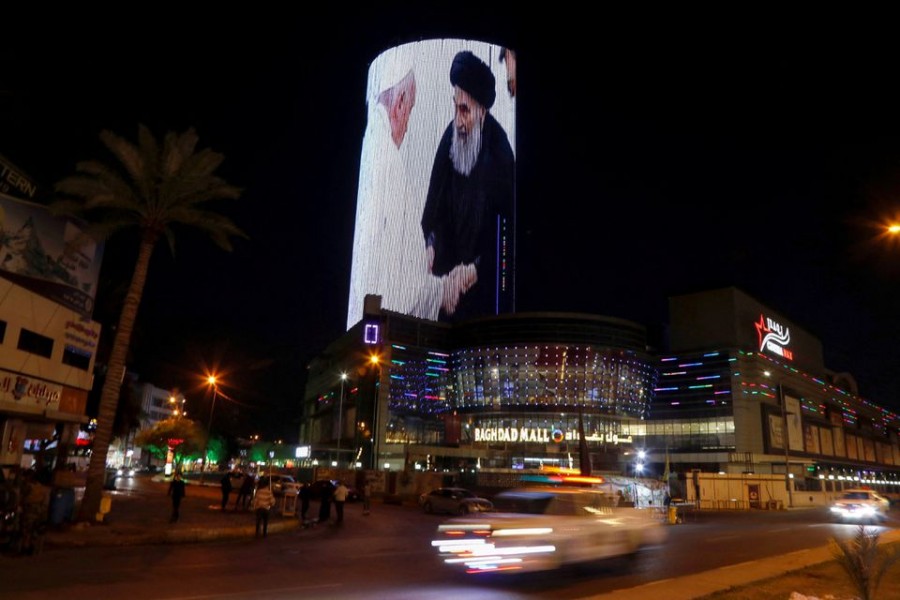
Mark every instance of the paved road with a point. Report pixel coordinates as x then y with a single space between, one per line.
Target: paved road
385 555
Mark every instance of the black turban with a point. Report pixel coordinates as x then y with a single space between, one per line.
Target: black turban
471 74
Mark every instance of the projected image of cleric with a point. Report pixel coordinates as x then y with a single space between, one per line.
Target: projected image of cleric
469 208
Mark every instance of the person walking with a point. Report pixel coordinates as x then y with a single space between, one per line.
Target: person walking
244 492
226 488
325 503
177 492
367 497
304 501
263 502
340 496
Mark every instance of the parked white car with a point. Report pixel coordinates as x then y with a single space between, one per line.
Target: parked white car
455 500
861 505
535 529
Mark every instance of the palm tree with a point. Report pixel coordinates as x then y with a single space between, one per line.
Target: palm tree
151 188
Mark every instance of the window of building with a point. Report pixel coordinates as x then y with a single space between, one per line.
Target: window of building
76 357
2 331
35 343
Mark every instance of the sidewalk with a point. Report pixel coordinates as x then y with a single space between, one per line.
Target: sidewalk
142 517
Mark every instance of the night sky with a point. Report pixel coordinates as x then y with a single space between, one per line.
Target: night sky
653 160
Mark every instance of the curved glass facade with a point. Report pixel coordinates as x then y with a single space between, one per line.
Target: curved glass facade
520 381
555 376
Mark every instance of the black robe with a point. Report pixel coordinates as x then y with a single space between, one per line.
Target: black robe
470 219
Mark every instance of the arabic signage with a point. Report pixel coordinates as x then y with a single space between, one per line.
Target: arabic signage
541 435
773 337
27 394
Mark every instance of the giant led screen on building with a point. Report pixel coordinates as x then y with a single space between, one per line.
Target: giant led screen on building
435 214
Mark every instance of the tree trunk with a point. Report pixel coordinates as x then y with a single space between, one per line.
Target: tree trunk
115 374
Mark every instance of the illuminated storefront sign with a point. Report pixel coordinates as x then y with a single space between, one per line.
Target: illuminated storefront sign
774 337
21 393
542 435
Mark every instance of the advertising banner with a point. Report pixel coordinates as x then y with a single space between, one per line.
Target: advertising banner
435 214
794 423
48 255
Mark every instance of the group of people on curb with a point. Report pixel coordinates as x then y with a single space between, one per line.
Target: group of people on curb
245 490
24 507
263 500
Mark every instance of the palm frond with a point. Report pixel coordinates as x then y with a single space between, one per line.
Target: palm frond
150 155
219 228
864 562
127 153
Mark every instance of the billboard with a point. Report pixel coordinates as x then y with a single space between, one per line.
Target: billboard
435 213
48 255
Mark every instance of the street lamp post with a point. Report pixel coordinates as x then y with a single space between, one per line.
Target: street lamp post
211 380
786 441
375 361
340 418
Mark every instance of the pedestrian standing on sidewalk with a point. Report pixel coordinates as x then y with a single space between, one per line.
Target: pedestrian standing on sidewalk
304 501
244 492
263 502
226 488
340 496
367 497
176 490
325 505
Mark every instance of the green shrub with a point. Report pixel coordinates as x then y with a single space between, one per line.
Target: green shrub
863 561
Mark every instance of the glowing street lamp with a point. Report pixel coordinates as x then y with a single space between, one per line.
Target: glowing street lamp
341 416
375 361
893 228
174 401
211 380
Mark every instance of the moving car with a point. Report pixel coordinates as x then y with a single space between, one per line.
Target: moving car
536 529
454 500
280 483
861 505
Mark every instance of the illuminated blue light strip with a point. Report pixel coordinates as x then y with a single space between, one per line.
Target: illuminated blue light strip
667 389
711 354
697 387
675 373
697 364
709 377
398 347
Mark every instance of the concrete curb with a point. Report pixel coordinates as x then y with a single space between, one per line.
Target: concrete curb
99 537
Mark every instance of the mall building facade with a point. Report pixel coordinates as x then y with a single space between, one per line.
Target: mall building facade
739 389
508 391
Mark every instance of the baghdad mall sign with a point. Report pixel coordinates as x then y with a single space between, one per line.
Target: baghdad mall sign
541 435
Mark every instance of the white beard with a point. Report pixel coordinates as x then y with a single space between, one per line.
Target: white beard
464 152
